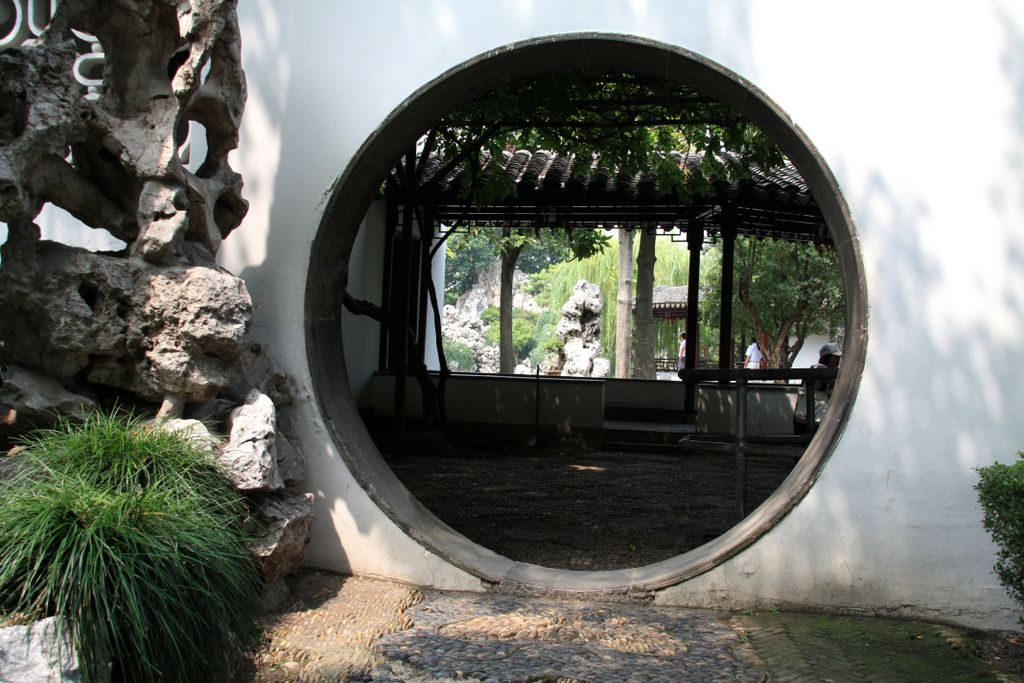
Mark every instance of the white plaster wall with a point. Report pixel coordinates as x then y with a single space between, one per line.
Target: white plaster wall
808 355
917 107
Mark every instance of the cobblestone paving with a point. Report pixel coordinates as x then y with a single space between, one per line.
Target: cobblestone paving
335 628
500 639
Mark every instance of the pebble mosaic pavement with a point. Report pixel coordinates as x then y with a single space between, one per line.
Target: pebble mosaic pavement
333 628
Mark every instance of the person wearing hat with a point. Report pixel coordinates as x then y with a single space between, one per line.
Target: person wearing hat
828 357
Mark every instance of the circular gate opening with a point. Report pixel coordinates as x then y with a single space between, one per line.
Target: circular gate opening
360 182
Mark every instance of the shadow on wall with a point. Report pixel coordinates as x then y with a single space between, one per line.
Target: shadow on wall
956 324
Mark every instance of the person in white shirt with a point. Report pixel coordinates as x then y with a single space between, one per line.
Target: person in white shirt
753 356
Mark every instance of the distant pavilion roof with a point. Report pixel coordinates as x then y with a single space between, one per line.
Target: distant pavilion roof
669 301
548 194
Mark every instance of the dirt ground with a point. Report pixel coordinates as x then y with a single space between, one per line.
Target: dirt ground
585 509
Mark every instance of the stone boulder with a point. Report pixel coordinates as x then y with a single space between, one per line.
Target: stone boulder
489 359
249 455
283 524
35 654
29 399
193 430
579 358
152 331
580 330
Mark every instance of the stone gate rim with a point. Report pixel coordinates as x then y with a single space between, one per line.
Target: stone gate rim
351 196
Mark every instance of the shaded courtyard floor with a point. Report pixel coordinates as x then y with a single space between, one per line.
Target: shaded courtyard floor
576 508
333 628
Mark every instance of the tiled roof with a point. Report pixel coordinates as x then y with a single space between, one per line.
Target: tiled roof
549 194
668 299
669 295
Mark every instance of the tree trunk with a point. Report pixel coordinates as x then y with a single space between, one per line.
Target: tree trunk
794 349
507 352
645 259
624 304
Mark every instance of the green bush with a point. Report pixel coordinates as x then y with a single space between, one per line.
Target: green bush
524 324
551 346
133 537
1001 493
490 316
459 356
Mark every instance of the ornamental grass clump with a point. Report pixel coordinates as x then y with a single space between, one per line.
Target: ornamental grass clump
1001 493
133 537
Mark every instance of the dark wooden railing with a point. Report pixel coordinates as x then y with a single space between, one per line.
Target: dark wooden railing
741 442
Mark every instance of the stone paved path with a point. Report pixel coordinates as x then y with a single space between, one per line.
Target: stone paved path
335 628
494 638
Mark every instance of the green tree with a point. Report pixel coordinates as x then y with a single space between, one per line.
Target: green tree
786 290
512 246
467 255
553 286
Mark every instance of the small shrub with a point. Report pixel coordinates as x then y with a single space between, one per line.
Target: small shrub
524 324
552 346
459 356
490 315
133 537
1001 493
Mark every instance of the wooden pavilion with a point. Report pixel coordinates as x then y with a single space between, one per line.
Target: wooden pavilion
551 195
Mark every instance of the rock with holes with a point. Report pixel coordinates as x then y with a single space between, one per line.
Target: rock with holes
283 524
29 400
581 314
121 323
167 65
249 453
63 307
580 330
34 653
163 220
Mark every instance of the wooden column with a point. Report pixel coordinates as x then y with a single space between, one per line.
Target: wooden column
694 242
426 230
390 223
725 348
401 326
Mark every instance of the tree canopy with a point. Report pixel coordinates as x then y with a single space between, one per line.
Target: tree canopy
626 120
787 290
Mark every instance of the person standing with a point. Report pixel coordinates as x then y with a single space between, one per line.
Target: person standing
754 356
681 361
